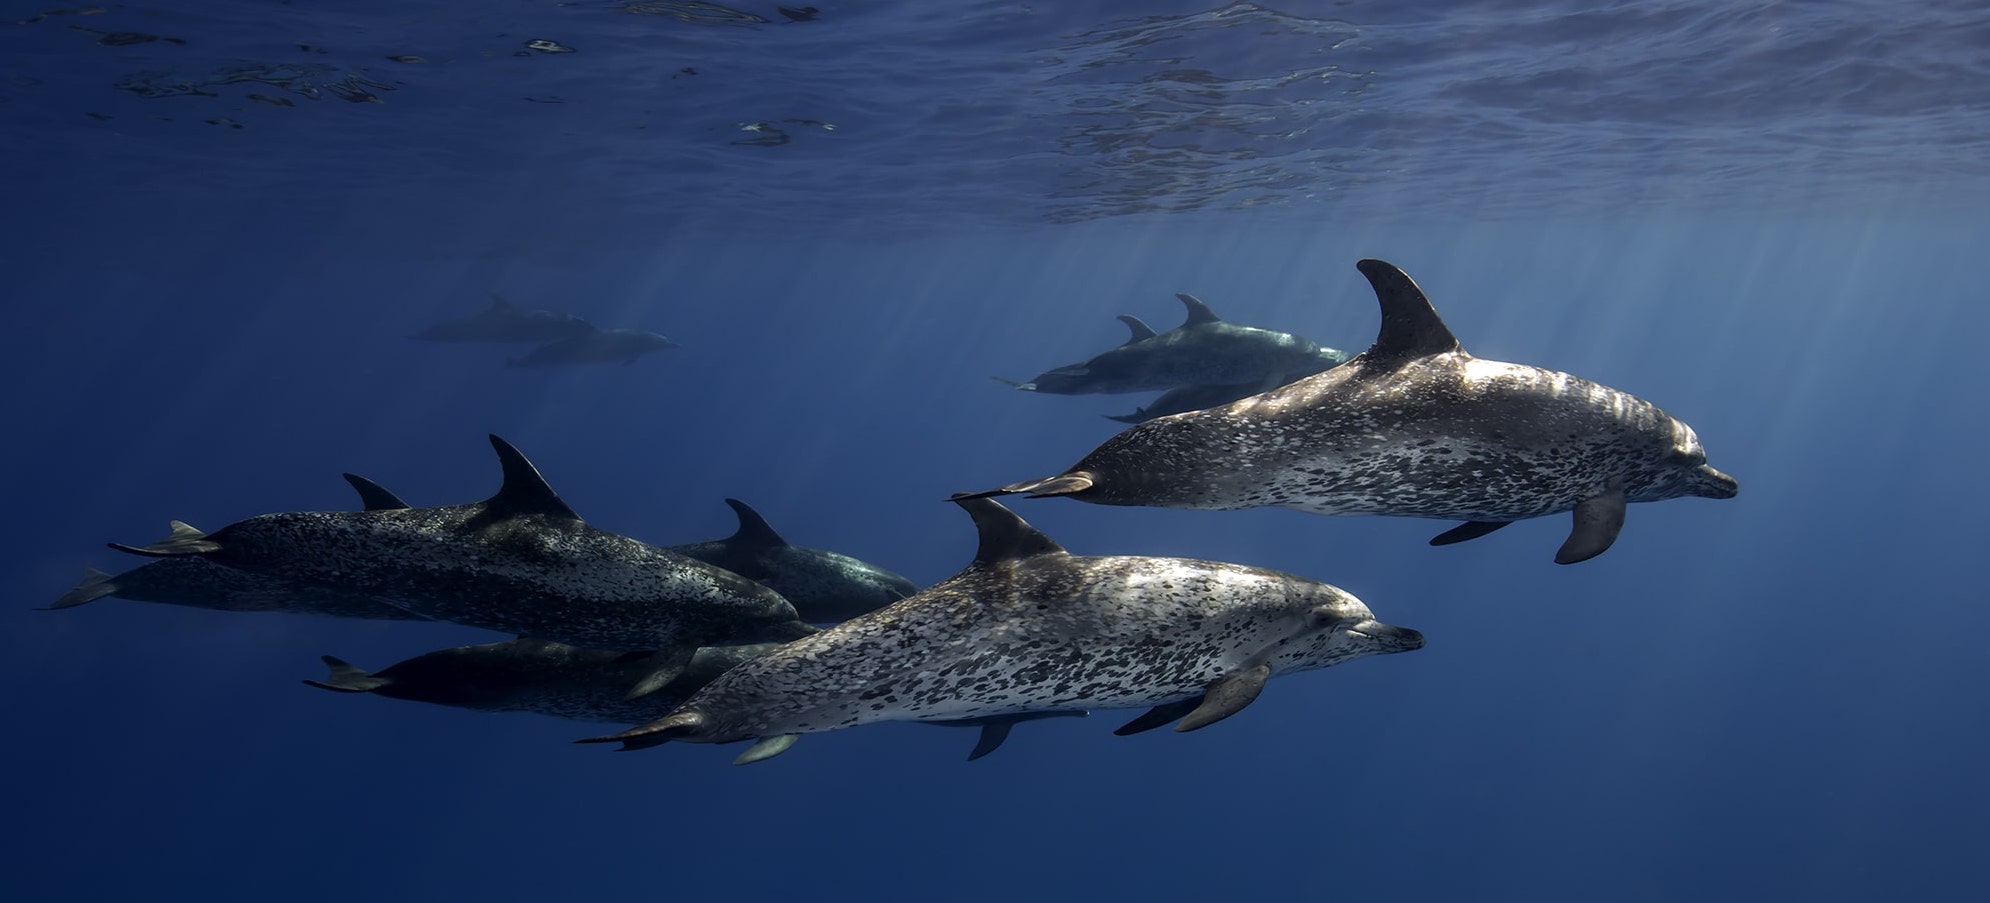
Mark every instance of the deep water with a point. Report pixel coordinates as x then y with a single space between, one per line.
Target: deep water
1765 218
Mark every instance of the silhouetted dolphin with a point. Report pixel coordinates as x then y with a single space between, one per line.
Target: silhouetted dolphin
1203 351
601 347
1414 427
824 587
504 322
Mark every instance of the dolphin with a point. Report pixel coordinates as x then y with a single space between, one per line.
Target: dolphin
198 583
1030 628
605 346
1196 398
824 587
1412 427
505 322
1203 351
521 562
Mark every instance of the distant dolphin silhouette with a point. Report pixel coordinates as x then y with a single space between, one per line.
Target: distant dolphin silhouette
1203 351
599 347
506 322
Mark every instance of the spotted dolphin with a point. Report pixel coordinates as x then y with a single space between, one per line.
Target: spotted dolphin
521 562
1203 351
198 583
606 346
562 681
825 587
506 322
1413 427
1030 628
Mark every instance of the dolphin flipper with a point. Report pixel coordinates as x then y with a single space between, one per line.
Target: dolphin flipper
766 748
992 735
1597 523
1471 529
1226 698
1158 716
666 665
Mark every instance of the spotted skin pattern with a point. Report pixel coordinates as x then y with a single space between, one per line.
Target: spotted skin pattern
1042 632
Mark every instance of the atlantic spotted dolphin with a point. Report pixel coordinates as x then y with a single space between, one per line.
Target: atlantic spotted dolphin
1030 628
546 678
506 322
1196 398
1203 351
824 587
605 346
198 583
521 562
562 681
1413 427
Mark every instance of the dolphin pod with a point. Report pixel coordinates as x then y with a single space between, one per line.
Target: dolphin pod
752 638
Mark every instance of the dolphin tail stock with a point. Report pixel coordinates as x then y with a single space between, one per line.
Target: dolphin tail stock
347 677
1062 484
184 540
95 585
677 725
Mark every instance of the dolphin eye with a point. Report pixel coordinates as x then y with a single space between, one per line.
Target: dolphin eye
1690 457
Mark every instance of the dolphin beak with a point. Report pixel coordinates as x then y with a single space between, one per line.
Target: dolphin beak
1712 484
1396 639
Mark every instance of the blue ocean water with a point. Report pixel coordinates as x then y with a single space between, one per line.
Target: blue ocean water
222 220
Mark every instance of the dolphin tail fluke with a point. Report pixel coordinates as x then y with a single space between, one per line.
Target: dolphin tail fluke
1139 415
677 725
347 677
184 540
1013 384
95 585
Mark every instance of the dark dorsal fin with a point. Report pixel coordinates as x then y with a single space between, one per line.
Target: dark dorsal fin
1198 312
1410 326
373 496
1004 536
753 529
1141 331
498 302
524 490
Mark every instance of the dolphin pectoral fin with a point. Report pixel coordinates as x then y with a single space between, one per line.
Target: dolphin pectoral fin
992 735
1158 716
766 748
674 726
95 585
1226 698
667 665
347 677
1471 529
1597 523
184 540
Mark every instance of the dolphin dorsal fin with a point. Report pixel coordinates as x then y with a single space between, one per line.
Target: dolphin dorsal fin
1410 326
753 529
1141 331
524 490
1004 536
373 496
1198 312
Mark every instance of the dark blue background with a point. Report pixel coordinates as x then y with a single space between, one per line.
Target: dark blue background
1777 696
